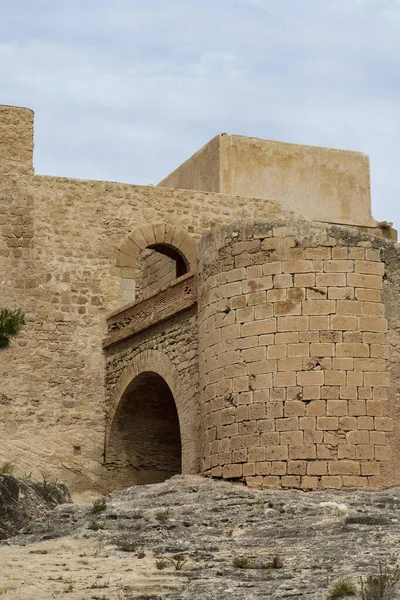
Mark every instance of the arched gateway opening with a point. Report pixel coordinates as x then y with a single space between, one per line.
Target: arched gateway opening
144 443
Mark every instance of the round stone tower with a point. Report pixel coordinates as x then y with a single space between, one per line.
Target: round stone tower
293 356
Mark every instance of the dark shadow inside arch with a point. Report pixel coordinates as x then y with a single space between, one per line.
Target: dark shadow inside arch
181 264
144 444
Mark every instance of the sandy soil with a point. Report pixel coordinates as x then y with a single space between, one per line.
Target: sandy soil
78 570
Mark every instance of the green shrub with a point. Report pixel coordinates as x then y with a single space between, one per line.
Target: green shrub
49 489
342 588
162 516
241 562
7 468
95 526
178 560
383 585
11 322
99 506
245 562
161 563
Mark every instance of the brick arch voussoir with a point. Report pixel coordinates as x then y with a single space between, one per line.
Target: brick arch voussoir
156 361
151 234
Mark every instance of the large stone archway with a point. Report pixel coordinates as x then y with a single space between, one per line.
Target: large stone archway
144 443
151 429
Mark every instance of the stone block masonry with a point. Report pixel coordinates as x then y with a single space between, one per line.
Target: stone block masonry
294 357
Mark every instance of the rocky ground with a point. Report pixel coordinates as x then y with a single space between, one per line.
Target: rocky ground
191 538
22 500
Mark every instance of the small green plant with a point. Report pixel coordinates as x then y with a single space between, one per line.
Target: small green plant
99 585
161 563
99 506
342 588
127 544
241 562
11 322
276 562
49 489
162 516
244 562
140 553
178 561
7 468
95 526
383 585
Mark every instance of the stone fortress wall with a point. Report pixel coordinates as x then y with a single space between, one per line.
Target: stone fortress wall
63 261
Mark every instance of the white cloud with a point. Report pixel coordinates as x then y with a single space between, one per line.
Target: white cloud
126 90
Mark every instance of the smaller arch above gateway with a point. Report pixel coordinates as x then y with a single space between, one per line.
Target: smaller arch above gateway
170 240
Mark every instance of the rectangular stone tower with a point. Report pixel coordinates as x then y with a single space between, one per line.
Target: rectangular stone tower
326 185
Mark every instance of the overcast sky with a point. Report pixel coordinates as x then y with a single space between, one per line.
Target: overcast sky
126 90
